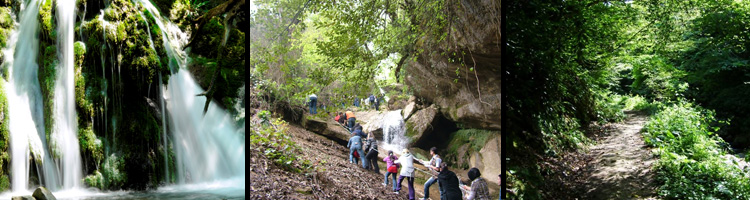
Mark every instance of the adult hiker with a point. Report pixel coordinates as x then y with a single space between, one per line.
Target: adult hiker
478 189
337 117
434 166
372 100
372 153
407 171
341 119
356 101
355 145
350 119
391 169
313 100
449 183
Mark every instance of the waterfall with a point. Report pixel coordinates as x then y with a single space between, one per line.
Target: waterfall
65 129
25 104
207 147
161 105
394 129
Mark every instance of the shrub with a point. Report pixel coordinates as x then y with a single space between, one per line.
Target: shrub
692 164
272 139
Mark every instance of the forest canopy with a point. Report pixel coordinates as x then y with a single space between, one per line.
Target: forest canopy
574 64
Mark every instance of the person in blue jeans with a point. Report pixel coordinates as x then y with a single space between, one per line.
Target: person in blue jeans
355 144
434 166
391 169
313 102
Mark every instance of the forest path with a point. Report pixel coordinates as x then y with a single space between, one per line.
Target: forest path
621 164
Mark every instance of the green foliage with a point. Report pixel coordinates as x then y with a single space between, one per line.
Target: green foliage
656 78
90 144
718 65
692 163
112 176
95 180
277 145
6 25
4 140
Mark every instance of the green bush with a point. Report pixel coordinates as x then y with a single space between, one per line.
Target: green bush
692 164
277 145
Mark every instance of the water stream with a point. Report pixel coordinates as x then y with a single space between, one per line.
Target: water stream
25 104
209 147
394 129
64 132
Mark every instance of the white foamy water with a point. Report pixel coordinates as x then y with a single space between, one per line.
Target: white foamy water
208 146
394 129
25 103
64 132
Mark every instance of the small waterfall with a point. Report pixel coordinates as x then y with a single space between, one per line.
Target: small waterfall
64 133
394 129
207 147
25 104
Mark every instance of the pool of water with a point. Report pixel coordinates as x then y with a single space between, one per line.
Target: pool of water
226 189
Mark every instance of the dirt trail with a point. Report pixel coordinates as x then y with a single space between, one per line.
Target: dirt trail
339 179
620 165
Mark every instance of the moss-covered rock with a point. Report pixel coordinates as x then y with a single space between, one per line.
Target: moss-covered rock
6 25
464 143
48 62
4 141
116 71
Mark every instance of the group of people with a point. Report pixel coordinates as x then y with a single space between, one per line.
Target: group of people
449 186
372 101
364 147
365 150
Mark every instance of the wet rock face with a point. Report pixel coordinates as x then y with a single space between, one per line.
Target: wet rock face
474 37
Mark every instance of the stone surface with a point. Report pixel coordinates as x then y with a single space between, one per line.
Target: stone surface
329 129
491 159
41 193
27 197
420 126
474 37
409 109
395 104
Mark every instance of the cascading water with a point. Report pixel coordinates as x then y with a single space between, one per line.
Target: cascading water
25 104
394 129
64 133
207 147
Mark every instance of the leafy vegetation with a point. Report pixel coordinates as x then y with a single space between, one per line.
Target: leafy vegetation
684 62
276 144
694 162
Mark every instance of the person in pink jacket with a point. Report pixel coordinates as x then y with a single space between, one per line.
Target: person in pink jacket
391 168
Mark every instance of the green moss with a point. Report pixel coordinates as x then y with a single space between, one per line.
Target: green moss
47 82
91 144
4 138
475 138
95 180
6 25
46 18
